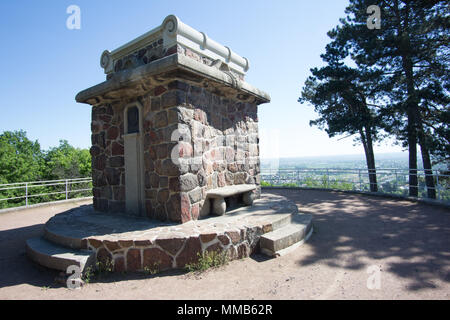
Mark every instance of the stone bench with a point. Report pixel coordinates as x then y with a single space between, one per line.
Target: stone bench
218 195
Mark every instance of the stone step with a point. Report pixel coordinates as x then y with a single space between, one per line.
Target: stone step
59 238
56 257
288 237
283 221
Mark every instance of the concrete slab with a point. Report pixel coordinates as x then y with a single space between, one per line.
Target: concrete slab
56 257
134 243
229 191
85 223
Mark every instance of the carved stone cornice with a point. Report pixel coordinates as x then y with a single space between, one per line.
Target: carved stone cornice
170 37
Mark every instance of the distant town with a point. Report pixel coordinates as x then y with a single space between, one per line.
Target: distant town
395 160
349 172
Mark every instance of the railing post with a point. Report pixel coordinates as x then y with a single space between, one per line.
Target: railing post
360 182
396 179
67 190
26 194
438 187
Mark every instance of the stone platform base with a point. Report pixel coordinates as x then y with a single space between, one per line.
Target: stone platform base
134 244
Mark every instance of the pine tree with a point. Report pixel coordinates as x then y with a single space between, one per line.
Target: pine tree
411 49
343 97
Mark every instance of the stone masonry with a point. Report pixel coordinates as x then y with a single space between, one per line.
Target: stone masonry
222 150
200 128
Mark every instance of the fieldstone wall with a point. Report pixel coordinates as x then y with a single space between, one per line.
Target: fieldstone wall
172 252
194 140
107 151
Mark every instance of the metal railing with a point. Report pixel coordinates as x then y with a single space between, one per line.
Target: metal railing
389 181
28 193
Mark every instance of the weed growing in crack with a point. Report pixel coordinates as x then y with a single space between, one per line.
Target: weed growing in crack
208 259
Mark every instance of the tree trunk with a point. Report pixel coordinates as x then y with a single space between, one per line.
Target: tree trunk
429 180
370 158
412 146
366 139
411 100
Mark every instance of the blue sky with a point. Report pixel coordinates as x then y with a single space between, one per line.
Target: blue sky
44 64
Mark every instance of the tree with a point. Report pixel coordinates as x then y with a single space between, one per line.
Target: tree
411 50
343 98
66 162
20 158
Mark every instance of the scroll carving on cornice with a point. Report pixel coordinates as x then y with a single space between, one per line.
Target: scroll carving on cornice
222 66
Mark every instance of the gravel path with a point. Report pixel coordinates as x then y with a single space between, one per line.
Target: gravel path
356 238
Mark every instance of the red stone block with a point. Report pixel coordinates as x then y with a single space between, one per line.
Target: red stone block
105 118
195 211
156 258
142 243
95 243
112 133
119 264
117 149
185 150
134 260
111 245
172 246
95 151
190 253
207 237
95 127
221 180
185 208
99 163
160 90
235 236
126 243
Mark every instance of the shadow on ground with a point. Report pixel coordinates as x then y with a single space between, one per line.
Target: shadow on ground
413 238
15 267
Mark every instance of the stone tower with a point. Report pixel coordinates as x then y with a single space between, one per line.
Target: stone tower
173 120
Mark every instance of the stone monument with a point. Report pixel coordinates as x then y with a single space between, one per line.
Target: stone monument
174 139
173 124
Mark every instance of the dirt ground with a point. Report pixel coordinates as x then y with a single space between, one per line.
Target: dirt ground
357 241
